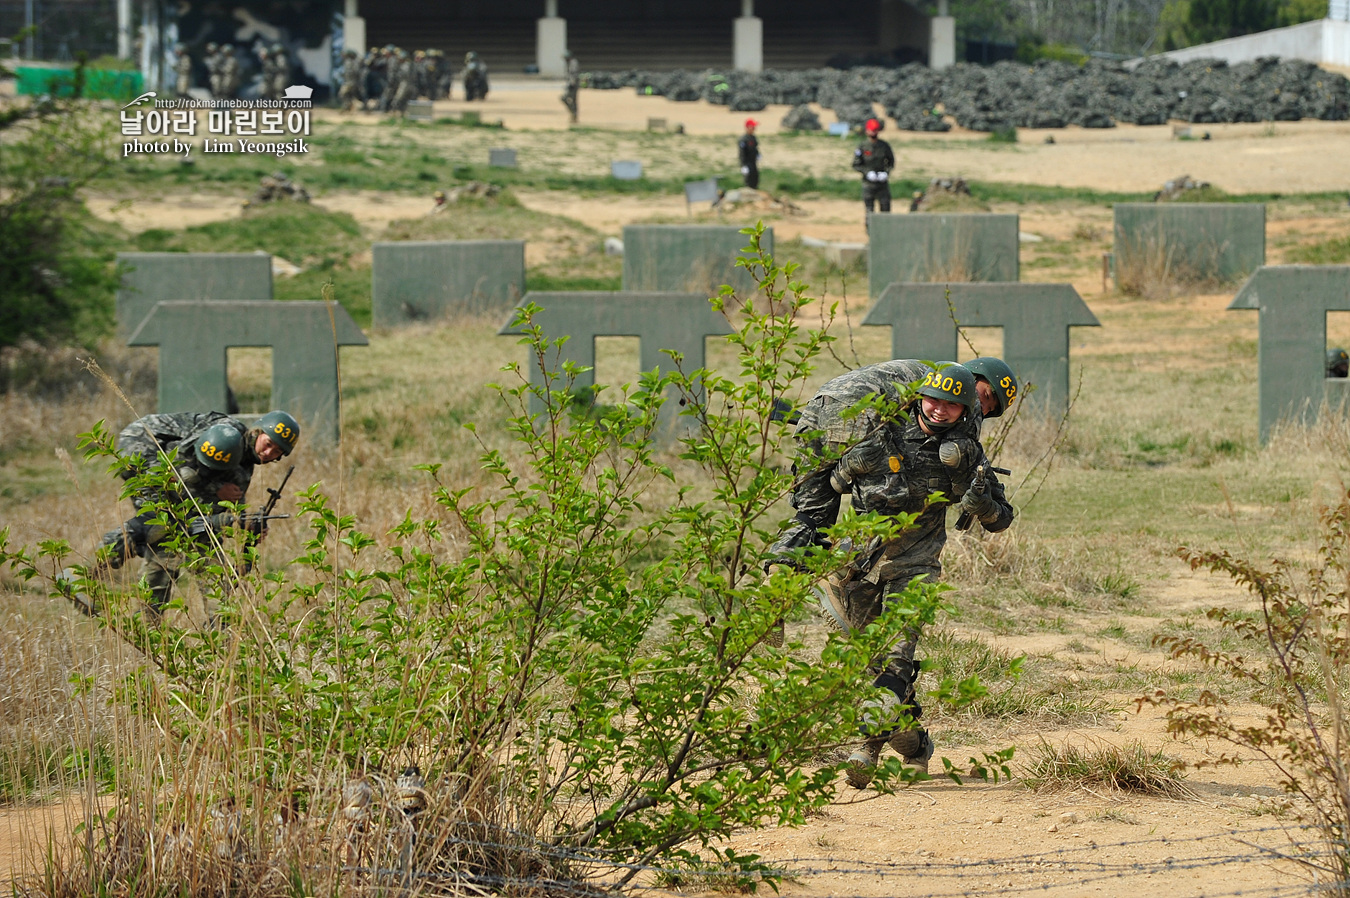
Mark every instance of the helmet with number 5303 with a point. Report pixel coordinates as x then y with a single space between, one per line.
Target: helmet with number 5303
281 429
1000 377
952 383
218 448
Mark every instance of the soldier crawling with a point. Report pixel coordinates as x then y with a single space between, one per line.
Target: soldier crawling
890 463
212 457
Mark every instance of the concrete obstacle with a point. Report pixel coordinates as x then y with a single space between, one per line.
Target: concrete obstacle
151 278
193 337
941 248
1292 302
1187 242
416 280
687 258
678 322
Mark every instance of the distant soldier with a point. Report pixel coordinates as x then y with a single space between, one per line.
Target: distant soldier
1338 362
182 70
351 80
440 203
572 85
264 54
388 63
475 77
211 457
281 72
230 76
442 75
213 60
874 159
404 80
421 70
748 147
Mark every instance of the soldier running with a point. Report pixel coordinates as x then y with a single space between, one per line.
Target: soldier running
890 463
212 457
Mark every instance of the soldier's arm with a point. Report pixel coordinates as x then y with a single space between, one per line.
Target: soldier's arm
858 164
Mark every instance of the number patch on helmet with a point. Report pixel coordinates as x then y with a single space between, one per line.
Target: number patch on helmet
1009 388
283 431
945 384
211 451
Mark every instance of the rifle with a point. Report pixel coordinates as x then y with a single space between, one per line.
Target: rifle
257 523
978 486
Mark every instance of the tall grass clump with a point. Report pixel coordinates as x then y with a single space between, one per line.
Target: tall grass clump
536 682
1295 654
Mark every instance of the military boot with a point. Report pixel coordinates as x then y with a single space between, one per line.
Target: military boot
830 593
862 764
915 747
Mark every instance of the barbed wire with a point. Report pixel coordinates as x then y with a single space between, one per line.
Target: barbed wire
1073 867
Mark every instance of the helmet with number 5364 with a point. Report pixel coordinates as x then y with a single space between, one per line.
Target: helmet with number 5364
281 429
218 448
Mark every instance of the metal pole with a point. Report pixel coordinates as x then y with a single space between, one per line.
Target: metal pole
123 29
28 27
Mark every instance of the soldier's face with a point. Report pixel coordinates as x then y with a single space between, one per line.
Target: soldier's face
988 401
940 411
265 449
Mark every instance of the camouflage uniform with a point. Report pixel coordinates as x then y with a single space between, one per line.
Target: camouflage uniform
402 79
901 486
229 72
352 76
280 75
182 69
213 61
174 435
572 86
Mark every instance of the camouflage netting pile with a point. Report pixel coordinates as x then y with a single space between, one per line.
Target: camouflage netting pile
1011 94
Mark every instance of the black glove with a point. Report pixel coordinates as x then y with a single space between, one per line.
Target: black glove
958 453
868 457
980 504
799 534
212 523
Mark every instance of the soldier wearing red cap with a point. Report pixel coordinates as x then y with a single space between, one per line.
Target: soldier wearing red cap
749 148
875 160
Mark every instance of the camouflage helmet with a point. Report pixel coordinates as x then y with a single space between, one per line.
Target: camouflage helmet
218 447
281 429
950 382
212 47
277 48
1338 362
470 56
227 48
1000 378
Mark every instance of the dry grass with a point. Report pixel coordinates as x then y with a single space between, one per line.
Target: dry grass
1133 767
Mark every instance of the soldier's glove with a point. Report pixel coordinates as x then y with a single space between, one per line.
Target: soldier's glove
212 523
868 457
958 453
877 177
799 534
980 504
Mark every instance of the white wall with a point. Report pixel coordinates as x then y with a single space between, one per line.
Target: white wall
1323 41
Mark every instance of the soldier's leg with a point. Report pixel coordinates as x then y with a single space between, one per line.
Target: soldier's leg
161 569
884 197
899 675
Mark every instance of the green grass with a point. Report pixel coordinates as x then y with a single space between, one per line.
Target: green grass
301 233
1335 251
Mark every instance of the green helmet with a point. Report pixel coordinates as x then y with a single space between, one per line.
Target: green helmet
218 447
951 382
281 429
1000 377
1338 362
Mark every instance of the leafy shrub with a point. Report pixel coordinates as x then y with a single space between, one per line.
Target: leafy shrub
1295 655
